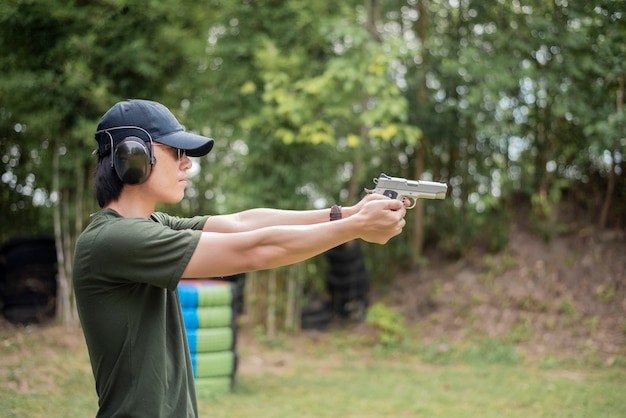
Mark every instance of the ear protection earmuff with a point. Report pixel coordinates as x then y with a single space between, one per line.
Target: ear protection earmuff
132 158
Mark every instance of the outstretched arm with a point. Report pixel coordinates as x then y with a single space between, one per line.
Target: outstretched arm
252 219
222 254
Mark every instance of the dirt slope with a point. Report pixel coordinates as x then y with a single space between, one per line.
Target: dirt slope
566 297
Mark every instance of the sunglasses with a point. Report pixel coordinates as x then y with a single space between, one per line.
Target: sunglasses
179 154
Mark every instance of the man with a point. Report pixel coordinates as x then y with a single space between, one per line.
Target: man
129 260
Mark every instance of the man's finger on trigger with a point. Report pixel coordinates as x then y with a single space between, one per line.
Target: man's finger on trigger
394 204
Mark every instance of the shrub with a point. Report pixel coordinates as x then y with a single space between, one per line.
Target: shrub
388 323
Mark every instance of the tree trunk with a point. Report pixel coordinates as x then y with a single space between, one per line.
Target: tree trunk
65 233
373 13
290 304
63 287
251 291
610 186
78 228
271 305
418 227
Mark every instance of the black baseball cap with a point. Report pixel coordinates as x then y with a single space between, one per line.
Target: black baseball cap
150 121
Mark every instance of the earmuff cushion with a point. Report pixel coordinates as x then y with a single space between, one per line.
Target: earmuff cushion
132 160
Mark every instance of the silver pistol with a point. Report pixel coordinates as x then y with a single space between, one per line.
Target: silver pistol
400 189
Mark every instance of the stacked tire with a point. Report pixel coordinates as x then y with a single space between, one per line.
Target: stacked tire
347 281
28 284
210 321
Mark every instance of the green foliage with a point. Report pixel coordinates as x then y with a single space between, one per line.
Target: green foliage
63 65
606 293
480 352
492 351
509 104
438 353
567 308
388 323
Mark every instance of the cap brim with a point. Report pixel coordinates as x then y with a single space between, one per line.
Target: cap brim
194 145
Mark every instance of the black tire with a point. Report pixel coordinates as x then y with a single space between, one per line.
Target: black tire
359 278
347 268
344 253
316 321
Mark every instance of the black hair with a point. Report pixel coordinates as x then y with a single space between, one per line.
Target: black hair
107 184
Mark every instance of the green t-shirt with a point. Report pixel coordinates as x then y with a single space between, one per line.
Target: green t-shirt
126 272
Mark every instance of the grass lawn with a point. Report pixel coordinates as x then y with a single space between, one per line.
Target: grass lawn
44 372
396 390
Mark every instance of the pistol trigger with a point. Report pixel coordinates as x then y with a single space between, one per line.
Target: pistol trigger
412 200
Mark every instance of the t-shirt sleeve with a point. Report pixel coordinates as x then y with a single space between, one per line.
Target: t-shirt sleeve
147 251
175 222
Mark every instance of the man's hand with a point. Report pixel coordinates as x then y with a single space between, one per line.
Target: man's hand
352 210
381 219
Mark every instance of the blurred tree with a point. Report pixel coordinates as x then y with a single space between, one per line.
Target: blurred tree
321 107
507 102
64 64
512 91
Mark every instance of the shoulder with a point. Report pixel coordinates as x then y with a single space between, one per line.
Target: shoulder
109 233
109 222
